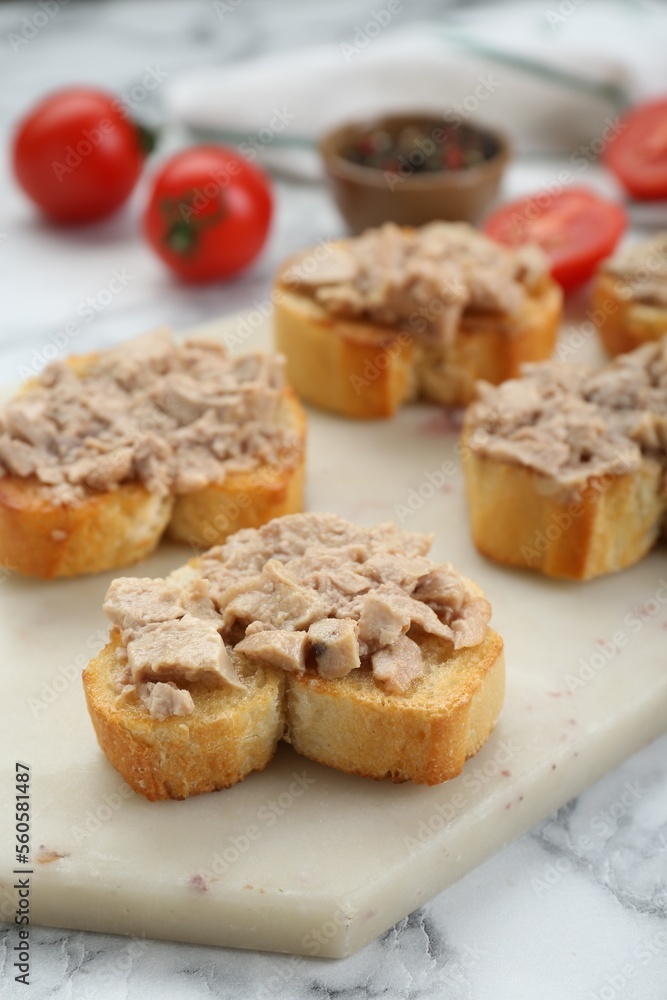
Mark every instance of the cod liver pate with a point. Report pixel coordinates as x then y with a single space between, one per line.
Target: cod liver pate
421 280
641 271
571 422
174 417
304 592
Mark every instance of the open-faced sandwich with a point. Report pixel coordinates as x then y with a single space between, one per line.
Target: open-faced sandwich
397 314
102 453
566 468
630 296
348 642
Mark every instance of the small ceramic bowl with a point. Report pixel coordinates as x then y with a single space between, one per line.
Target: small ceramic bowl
368 196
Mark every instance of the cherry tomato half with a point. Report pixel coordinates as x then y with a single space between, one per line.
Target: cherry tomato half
638 154
77 155
209 213
575 227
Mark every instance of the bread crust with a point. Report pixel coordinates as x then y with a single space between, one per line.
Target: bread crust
365 370
102 531
230 734
521 518
109 529
624 324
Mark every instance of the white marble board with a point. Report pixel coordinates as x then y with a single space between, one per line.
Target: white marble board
301 858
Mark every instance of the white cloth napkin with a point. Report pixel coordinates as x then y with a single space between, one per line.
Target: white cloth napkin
552 77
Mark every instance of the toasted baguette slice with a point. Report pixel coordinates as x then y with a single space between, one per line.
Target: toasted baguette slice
622 322
108 529
518 518
424 736
231 732
421 731
366 370
565 467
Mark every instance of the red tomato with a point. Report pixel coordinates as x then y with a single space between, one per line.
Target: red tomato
638 154
77 155
209 213
575 227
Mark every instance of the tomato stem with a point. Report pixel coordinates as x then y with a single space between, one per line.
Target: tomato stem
181 237
182 233
148 138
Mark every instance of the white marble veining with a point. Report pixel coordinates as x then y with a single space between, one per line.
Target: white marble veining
575 909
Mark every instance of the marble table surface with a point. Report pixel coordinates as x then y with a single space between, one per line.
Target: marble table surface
547 917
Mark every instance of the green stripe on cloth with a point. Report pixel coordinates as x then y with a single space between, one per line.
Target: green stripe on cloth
616 94
236 137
